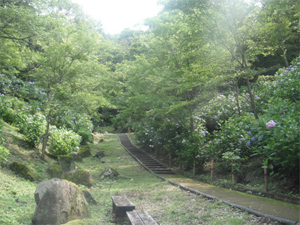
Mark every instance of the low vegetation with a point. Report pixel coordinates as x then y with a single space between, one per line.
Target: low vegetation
166 203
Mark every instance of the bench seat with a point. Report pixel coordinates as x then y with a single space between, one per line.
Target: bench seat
140 218
121 205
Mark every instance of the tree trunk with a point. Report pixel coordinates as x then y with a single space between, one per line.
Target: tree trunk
232 174
212 170
252 99
266 178
170 159
46 135
194 167
45 141
238 103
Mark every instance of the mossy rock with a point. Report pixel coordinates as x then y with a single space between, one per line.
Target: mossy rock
80 176
55 171
22 170
84 151
66 163
108 173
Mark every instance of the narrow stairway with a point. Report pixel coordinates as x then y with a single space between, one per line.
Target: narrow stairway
148 162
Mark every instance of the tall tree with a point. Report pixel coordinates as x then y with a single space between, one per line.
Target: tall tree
69 70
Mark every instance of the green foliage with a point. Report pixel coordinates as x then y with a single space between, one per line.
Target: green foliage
286 84
278 145
78 122
33 127
11 110
63 141
232 137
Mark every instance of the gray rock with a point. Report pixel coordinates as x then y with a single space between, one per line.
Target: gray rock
66 163
108 173
58 202
90 199
99 155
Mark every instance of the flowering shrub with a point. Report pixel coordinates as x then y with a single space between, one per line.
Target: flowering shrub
220 108
63 141
79 123
11 110
12 85
277 137
285 85
32 127
233 137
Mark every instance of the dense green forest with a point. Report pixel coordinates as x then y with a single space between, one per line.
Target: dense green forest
209 82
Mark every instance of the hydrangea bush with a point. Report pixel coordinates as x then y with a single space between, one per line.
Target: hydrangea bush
277 138
79 123
235 139
63 141
32 126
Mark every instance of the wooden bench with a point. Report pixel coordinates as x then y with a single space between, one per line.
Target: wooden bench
140 218
121 205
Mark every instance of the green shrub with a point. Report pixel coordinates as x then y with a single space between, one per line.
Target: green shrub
32 127
276 137
63 141
11 110
79 123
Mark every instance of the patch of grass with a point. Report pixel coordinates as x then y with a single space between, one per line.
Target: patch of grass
17 202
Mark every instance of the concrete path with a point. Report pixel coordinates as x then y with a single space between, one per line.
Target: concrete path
283 212
286 213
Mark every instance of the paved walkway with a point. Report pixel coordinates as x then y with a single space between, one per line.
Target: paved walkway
283 212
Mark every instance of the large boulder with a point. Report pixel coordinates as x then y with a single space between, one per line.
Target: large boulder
59 201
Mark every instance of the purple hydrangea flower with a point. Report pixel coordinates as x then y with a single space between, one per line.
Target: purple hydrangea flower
251 114
249 133
246 127
271 124
249 143
253 139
